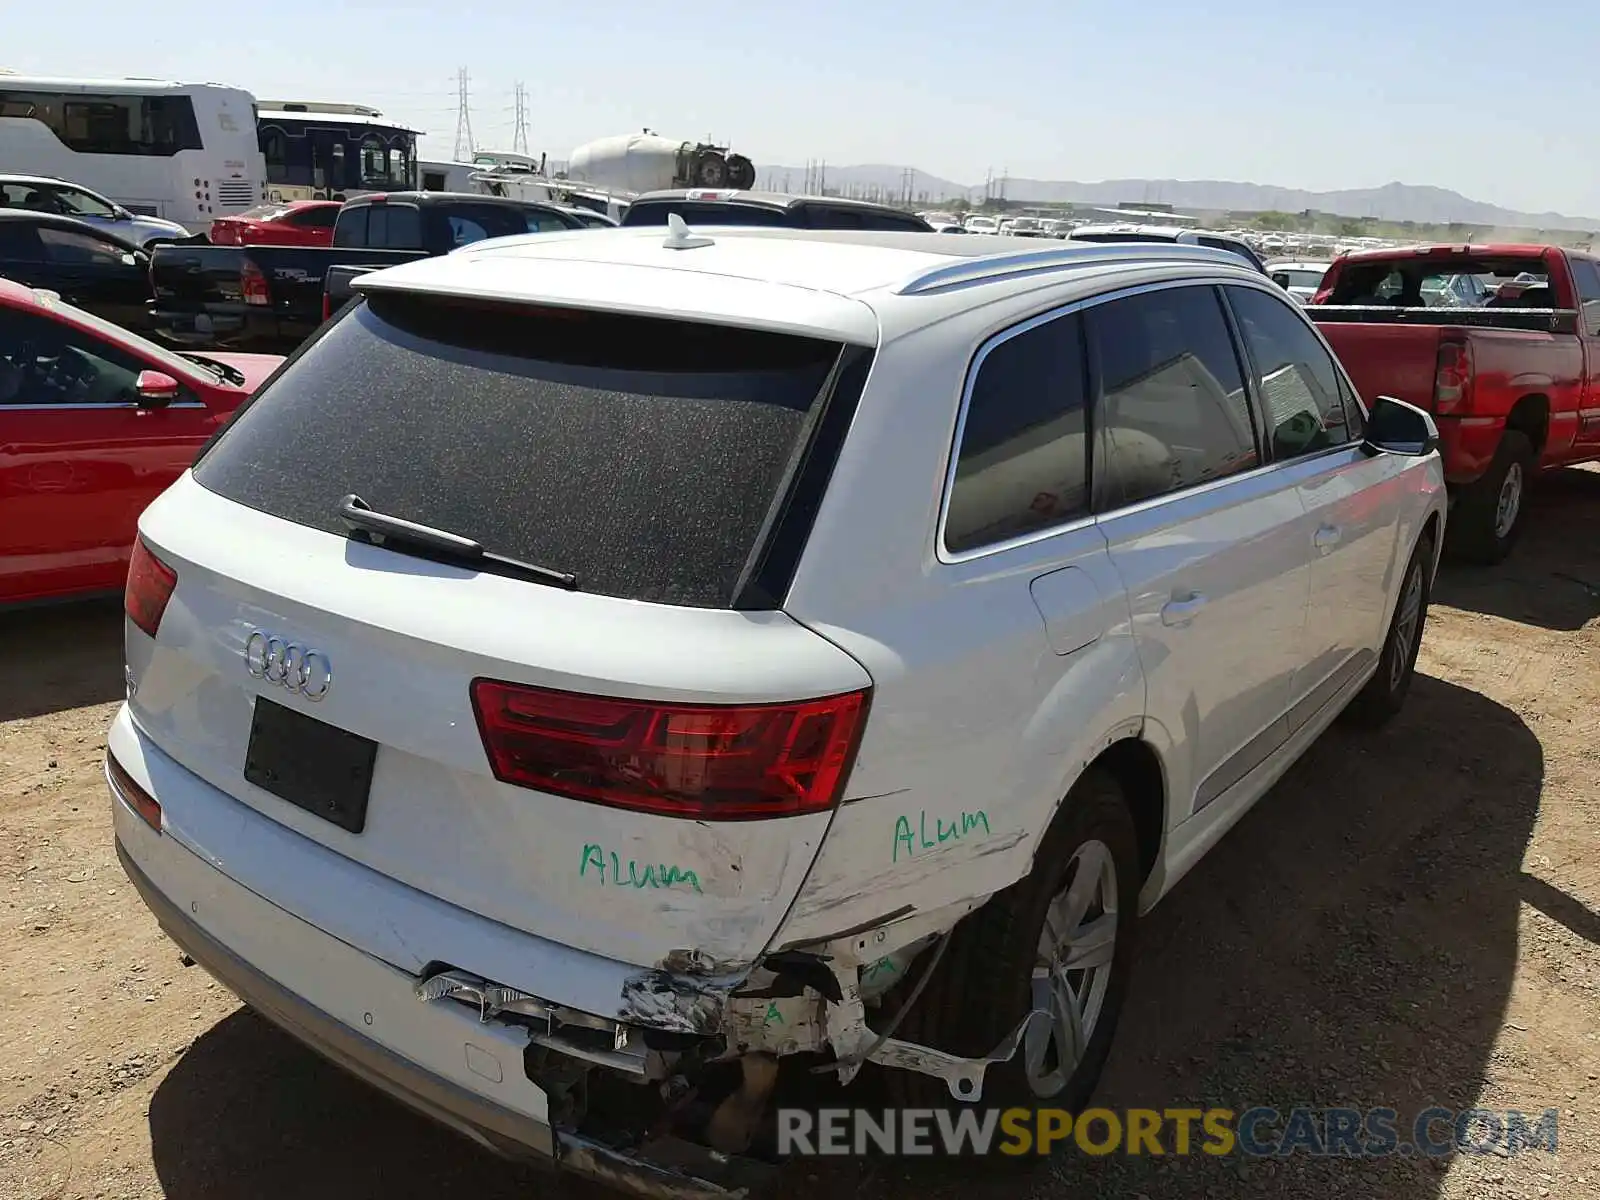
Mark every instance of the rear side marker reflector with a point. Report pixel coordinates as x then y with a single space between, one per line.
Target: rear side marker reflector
711 762
149 587
131 794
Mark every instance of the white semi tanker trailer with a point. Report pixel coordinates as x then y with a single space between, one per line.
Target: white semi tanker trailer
646 162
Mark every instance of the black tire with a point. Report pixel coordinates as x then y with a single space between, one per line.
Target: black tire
1474 534
1385 693
982 986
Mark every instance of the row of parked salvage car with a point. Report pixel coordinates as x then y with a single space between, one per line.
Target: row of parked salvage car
1515 387
124 344
830 645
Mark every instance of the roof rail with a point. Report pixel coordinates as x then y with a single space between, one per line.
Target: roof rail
1005 264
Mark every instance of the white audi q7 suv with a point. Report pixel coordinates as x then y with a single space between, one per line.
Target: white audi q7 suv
638 657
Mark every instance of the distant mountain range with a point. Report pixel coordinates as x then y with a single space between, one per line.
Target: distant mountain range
1393 202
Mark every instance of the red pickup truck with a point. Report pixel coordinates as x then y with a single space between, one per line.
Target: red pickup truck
1513 381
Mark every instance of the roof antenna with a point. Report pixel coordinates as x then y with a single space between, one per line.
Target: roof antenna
680 238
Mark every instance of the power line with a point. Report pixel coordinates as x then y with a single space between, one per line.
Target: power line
519 138
464 142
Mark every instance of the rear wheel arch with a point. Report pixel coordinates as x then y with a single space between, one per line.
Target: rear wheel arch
1430 530
1530 416
1137 768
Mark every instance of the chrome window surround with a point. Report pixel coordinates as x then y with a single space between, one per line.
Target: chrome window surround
944 555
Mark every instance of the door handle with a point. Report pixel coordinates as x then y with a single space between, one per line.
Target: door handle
1179 612
1327 537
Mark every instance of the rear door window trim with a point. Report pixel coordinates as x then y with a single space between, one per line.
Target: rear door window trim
1257 401
947 556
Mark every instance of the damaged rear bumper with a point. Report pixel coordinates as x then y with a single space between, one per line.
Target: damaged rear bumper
666 1168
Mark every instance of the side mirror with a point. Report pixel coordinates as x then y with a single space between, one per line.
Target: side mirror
1395 427
155 389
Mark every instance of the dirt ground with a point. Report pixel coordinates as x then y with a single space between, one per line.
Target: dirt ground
1411 918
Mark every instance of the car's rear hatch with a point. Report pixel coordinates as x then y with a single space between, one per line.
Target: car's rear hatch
666 464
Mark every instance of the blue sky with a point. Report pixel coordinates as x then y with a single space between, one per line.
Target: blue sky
1317 96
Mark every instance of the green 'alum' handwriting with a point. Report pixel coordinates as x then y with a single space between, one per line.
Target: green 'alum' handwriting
883 966
649 875
909 843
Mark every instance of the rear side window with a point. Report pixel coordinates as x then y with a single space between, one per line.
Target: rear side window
314 218
351 227
644 455
1295 376
831 216
394 227
1232 247
1587 277
701 213
19 242
876 220
824 216
1022 463
543 221
464 230
71 248
463 223
1170 407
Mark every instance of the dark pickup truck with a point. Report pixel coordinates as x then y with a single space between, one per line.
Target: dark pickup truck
1514 384
730 206
274 297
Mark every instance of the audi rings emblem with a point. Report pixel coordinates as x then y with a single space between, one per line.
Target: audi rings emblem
298 669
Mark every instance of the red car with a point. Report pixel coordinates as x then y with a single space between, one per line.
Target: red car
94 423
298 223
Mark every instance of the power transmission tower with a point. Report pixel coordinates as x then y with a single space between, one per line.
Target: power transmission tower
519 139
464 140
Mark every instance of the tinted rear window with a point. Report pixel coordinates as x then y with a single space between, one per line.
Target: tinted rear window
829 216
645 455
703 213
1118 237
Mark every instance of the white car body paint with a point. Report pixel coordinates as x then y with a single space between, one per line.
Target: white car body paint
1199 622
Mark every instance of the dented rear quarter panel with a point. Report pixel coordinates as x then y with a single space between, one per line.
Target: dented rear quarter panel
978 728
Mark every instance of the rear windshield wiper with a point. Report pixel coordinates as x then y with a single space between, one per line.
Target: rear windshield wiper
398 534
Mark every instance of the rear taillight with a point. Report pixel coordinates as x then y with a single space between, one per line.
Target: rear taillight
134 796
1452 380
713 762
149 587
253 285
327 306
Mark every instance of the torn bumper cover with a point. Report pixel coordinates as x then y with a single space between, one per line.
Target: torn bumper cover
664 1168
